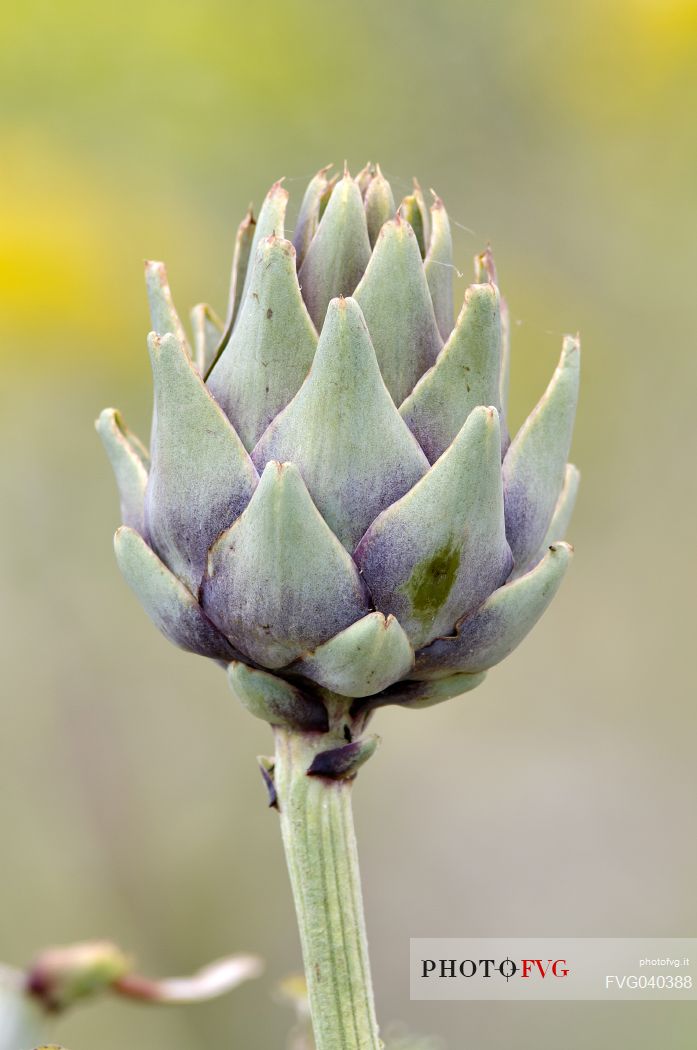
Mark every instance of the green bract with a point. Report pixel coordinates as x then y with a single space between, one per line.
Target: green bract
332 505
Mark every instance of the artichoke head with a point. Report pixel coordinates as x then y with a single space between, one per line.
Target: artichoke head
332 506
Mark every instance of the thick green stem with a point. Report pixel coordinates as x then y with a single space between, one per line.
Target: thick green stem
320 845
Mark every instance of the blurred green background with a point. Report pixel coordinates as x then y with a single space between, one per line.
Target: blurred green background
557 799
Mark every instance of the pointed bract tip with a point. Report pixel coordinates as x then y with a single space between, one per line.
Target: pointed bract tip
120 535
485 261
571 346
159 344
278 188
110 418
342 310
484 416
340 763
266 768
486 289
155 266
105 417
347 173
280 470
437 202
403 226
489 414
343 306
275 243
273 471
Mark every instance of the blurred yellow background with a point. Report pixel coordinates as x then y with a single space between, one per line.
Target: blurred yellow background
559 798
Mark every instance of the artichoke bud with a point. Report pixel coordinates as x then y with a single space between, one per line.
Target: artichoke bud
60 977
332 506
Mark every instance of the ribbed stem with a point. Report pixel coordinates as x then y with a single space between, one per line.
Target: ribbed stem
320 845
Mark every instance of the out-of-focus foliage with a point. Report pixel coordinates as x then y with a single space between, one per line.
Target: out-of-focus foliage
559 796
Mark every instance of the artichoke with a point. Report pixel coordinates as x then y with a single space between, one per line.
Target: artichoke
332 505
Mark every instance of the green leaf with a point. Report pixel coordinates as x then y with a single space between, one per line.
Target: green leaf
308 216
465 375
379 204
201 477
240 262
324 200
485 270
500 624
168 603
271 349
365 658
437 553
561 518
417 695
439 268
535 464
339 252
130 461
270 222
279 581
276 701
398 310
413 209
208 329
163 313
343 431
365 177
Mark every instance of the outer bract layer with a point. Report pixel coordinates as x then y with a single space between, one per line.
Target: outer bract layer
332 501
